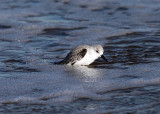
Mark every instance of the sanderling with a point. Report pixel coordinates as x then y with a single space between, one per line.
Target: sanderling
83 55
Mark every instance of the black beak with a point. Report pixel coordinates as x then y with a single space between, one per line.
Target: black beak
104 58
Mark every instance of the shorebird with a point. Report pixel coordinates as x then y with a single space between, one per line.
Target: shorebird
83 55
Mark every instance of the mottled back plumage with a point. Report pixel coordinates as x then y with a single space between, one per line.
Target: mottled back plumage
75 55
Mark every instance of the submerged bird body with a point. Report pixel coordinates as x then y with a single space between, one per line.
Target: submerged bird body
83 55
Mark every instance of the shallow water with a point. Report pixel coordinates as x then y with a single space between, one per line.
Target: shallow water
34 34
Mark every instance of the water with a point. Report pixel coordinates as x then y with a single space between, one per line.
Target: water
35 34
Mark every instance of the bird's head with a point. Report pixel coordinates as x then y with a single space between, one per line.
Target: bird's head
99 50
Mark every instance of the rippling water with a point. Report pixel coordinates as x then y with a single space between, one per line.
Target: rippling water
34 34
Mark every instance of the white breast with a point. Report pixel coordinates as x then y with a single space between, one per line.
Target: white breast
90 57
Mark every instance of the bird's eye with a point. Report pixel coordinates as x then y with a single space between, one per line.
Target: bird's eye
97 51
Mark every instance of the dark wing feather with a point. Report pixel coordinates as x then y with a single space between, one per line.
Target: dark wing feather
73 57
79 56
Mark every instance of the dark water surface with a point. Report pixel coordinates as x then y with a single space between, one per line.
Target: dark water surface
36 33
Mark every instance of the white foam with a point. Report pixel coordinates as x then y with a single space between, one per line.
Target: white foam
67 83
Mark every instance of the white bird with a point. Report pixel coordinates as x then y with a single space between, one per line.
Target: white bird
83 55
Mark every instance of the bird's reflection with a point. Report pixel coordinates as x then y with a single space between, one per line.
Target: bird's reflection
84 73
